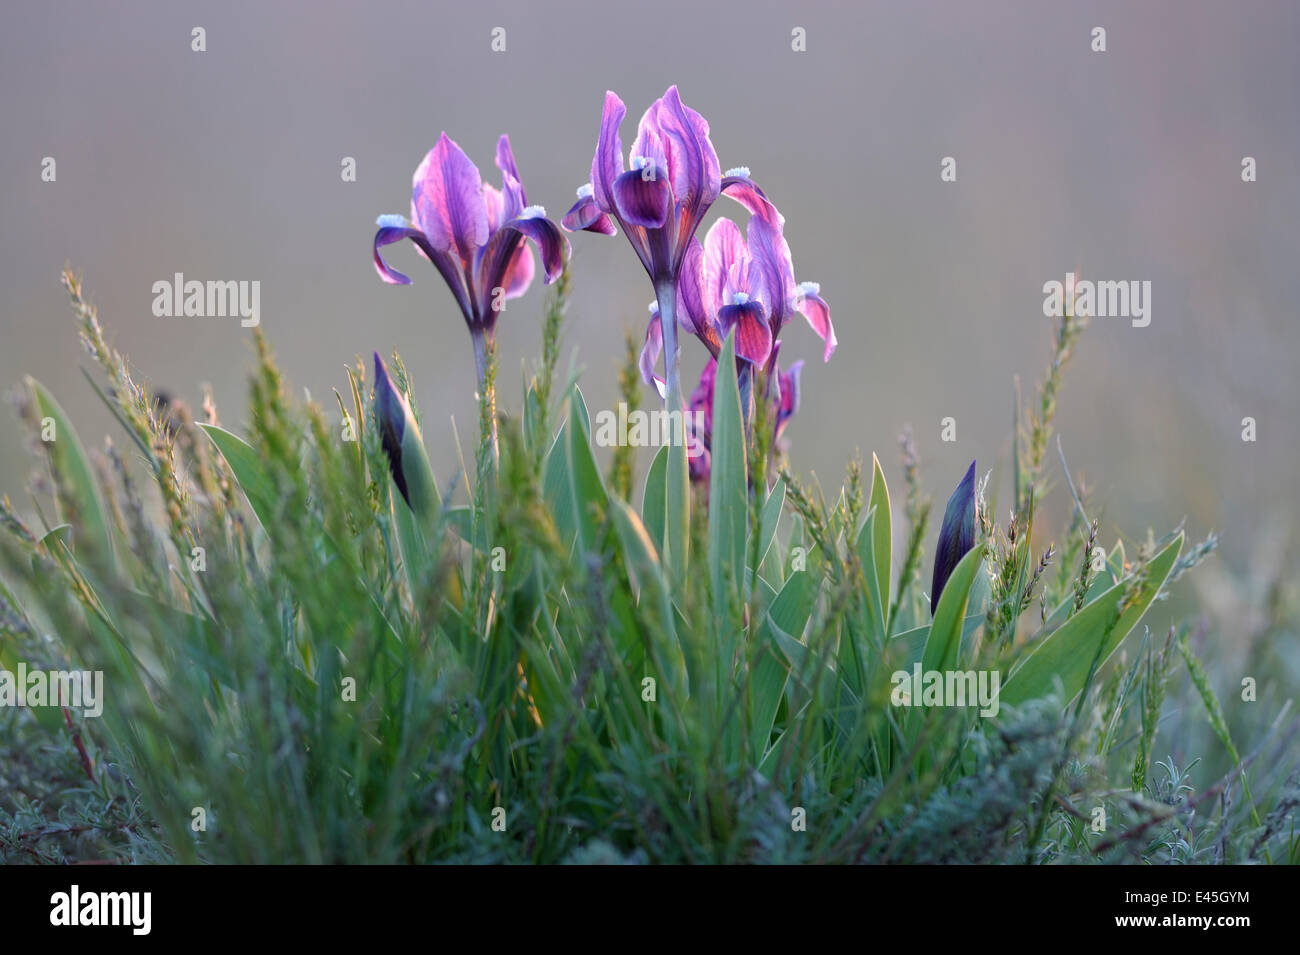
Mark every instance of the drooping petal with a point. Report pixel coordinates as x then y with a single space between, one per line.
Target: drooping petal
447 201
394 228
737 184
956 534
550 241
653 347
585 214
753 336
607 164
643 197
814 308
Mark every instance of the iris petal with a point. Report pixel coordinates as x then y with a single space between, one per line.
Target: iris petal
586 215
753 336
607 164
551 243
653 347
643 198
814 308
447 201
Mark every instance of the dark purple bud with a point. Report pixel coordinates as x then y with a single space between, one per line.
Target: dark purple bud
390 415
956 535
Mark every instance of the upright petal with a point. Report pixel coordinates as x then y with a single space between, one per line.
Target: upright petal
956 535
692 162
724 247
447 201
512 186
648 146
775 269
607 164
693 312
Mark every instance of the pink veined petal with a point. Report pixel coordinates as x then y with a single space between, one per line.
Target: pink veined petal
775 270
724 247
447 201
814 308
518 273
494 204
692 312
607 164
753 335
747 192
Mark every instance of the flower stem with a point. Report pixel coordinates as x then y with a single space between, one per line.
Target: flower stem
677 526
484 362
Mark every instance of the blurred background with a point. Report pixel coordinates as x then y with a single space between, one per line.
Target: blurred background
1127 164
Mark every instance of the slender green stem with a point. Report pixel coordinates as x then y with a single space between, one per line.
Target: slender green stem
483 362
678 479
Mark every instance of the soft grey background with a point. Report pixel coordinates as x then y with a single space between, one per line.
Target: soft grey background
225 165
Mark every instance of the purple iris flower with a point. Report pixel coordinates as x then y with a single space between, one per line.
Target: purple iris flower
660 201
475 234
746 284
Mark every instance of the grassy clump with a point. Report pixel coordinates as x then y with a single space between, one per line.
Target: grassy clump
301 668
